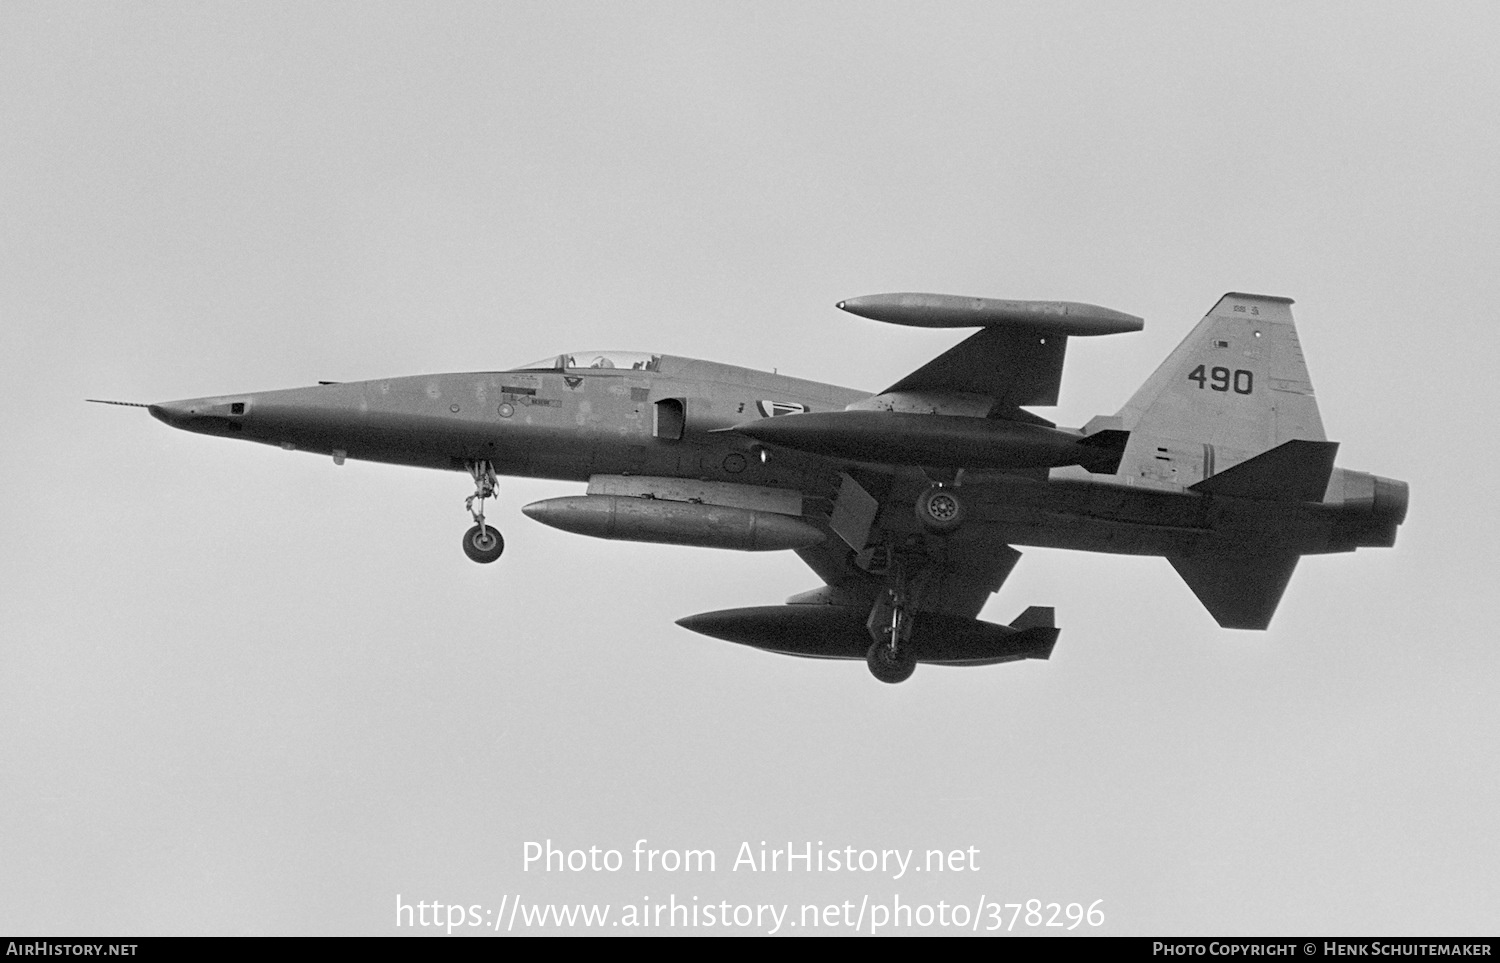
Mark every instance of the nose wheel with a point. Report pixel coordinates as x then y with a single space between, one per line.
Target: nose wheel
482 543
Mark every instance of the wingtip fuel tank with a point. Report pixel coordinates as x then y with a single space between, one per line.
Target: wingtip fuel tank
840 632
955 311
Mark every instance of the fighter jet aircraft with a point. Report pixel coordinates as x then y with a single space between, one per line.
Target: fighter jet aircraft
907 502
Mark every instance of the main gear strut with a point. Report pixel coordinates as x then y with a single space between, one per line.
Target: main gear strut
890 656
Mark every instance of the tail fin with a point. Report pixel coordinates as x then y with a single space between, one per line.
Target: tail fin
1236 386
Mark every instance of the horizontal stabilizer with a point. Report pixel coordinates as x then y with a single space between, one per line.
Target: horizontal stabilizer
1239 591
1294 471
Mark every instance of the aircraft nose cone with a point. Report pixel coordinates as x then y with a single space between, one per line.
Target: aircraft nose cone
174 413
207 416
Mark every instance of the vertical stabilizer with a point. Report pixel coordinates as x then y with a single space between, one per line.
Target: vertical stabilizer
1236 386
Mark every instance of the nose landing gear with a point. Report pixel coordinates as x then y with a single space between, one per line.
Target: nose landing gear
482 543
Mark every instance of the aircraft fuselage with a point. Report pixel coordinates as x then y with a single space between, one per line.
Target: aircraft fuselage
906 503
560 425
572 425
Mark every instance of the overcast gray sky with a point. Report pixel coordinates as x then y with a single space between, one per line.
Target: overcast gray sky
245 691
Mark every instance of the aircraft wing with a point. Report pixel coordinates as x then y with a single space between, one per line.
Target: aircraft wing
1014 367
960 572
958 584
964 409
1015 359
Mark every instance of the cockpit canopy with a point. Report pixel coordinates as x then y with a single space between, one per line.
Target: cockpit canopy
623 360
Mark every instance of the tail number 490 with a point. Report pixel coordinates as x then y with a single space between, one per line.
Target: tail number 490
1221 379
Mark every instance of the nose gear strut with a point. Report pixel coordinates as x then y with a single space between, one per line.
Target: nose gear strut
482 543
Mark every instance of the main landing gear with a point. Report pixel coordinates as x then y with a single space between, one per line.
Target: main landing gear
482 543
939 509
890 655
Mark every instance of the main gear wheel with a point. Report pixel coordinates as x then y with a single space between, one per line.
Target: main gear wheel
890 663
939 509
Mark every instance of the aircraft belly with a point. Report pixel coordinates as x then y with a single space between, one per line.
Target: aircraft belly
1122 521
1085 534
